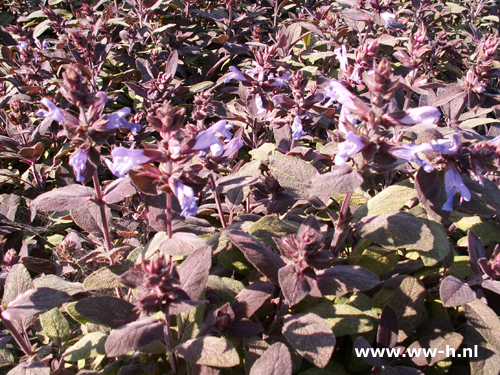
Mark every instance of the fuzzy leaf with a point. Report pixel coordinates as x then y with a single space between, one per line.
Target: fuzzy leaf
55 326
265 260
18 281
295 286
118 190
250 299
387 335
361 344
311 337
292 172
485 321
341 280
442 341
194 271
454 292
105 278
431 193
340 180
275 361
33 302
133 336
182 244
209 351
30 367
109 311
89 346
343 319
57 283
63 199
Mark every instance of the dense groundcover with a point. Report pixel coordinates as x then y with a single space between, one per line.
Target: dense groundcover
269 187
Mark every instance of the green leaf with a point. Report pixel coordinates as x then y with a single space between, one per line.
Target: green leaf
271 226
209 351
394 197
275 361
104 278
473 122
343 319
189 323
58 283
89 346
55 326
6 357
486 229
291 172
311 337
41 27
378 260
234 260
18 281
227 289
202 86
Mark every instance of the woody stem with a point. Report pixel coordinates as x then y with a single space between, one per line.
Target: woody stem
102 209
24 344
217 200
168 342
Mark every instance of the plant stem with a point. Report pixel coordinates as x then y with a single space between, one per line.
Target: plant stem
168 341
25 346
341 233
100 202
217 200
168 214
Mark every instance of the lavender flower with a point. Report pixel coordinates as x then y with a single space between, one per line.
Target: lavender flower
297 130
280 81
79 163
410 153
21 45
494 141
352 145
447 146
259 104
336 91
125 159
117 120
388 18
231 147
341 54
257 72
208 138
454 184
355 76
185 195
236 74
53 112
421 115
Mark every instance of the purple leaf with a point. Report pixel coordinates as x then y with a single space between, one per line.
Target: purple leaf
361 345
295 286
476 251
387 335
110 311
133 336
431 193
33 302
454 292
63 199
311 337
275 361
250 299
264 259
209 351
341 280
194 271
118 190
443 342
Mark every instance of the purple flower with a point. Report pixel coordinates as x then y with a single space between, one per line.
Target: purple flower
297 130
259 104
236 74
421 115
125 159
231 147
388 18
355 76
410 153
494 141
185 195
117 120
341 54
53 112
208 138
336 91
21 45
280 81
447 146
453 184
352 145
79 163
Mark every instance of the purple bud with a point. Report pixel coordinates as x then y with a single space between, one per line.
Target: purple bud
185 195
352 145
79 163
125 159
410 153
297 130
280 81
421 115
56 113
454 184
